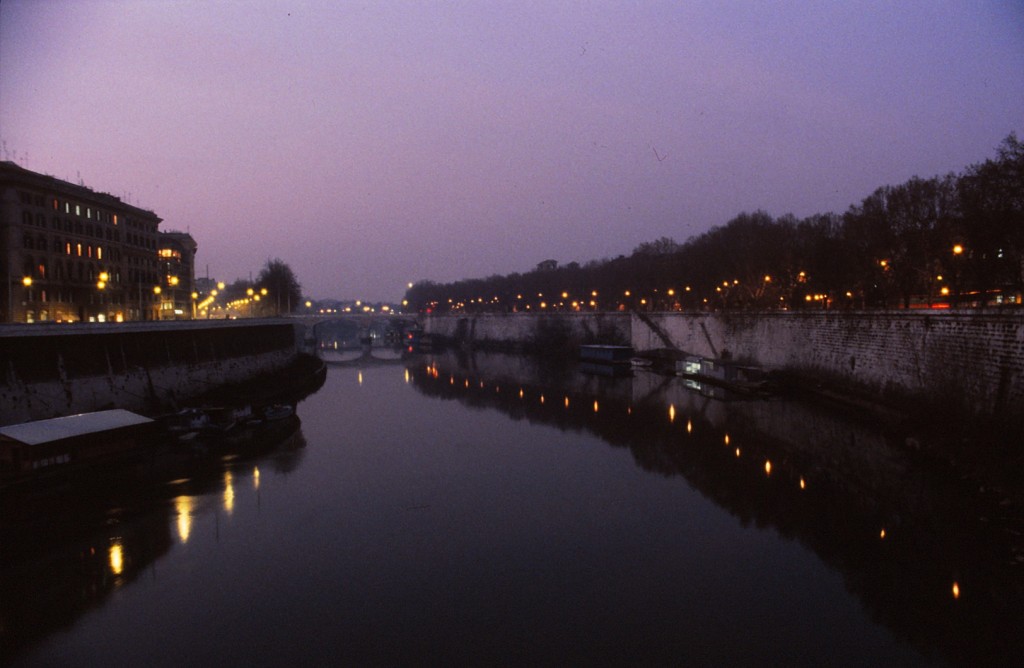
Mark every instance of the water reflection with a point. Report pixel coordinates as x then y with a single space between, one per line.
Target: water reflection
65 548
898 528
183 506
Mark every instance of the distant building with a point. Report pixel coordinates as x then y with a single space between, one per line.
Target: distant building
177 253
70 254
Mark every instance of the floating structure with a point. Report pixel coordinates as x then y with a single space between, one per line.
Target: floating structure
606 354
726 373
45 445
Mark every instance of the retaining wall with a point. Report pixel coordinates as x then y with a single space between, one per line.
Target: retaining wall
970 361
54 370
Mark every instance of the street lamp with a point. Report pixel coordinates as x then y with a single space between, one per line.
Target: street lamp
27 282
958 251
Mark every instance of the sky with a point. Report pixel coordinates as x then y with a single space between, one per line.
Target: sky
373 144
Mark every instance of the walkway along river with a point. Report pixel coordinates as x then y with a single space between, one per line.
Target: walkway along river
481 508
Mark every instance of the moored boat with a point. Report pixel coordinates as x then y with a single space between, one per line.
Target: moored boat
47 445
278 412
606 354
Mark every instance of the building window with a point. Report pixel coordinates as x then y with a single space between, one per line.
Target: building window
78 209
56 204
79 248
99 252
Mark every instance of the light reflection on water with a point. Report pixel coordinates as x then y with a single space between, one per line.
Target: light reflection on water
446 511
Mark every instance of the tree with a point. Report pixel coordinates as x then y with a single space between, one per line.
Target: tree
992 202
662 246
284 292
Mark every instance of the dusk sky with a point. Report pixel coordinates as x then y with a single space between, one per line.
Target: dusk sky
369 144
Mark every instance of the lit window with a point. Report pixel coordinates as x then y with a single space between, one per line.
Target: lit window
78 209
99 252
67 247
115 219
79 248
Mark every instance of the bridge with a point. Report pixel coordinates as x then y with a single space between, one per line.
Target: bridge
339 332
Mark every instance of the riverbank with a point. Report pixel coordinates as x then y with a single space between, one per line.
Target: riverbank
55 370
967 365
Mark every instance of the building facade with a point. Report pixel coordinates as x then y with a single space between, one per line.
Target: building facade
177 258
70 254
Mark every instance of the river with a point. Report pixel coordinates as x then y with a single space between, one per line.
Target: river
488 509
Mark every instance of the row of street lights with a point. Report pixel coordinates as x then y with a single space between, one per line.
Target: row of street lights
102 284
721 292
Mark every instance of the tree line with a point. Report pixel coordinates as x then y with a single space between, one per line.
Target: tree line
275 290
947 241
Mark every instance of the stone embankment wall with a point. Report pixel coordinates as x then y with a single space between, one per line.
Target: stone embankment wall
54 370
531 332
967 361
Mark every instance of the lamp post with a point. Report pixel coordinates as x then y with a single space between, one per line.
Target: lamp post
958 251
27 282
156 291
101 285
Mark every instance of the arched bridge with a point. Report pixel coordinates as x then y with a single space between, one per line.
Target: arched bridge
350 331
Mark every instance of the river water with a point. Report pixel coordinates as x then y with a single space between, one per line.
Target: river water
453 509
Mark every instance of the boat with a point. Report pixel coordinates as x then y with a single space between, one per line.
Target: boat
724 373
209 419
605 354
58 443
187 421
278 412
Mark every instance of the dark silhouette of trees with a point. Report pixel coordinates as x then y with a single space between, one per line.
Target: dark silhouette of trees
992 201
283 291
944 241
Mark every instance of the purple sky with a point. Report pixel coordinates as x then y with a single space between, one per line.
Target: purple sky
369 144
